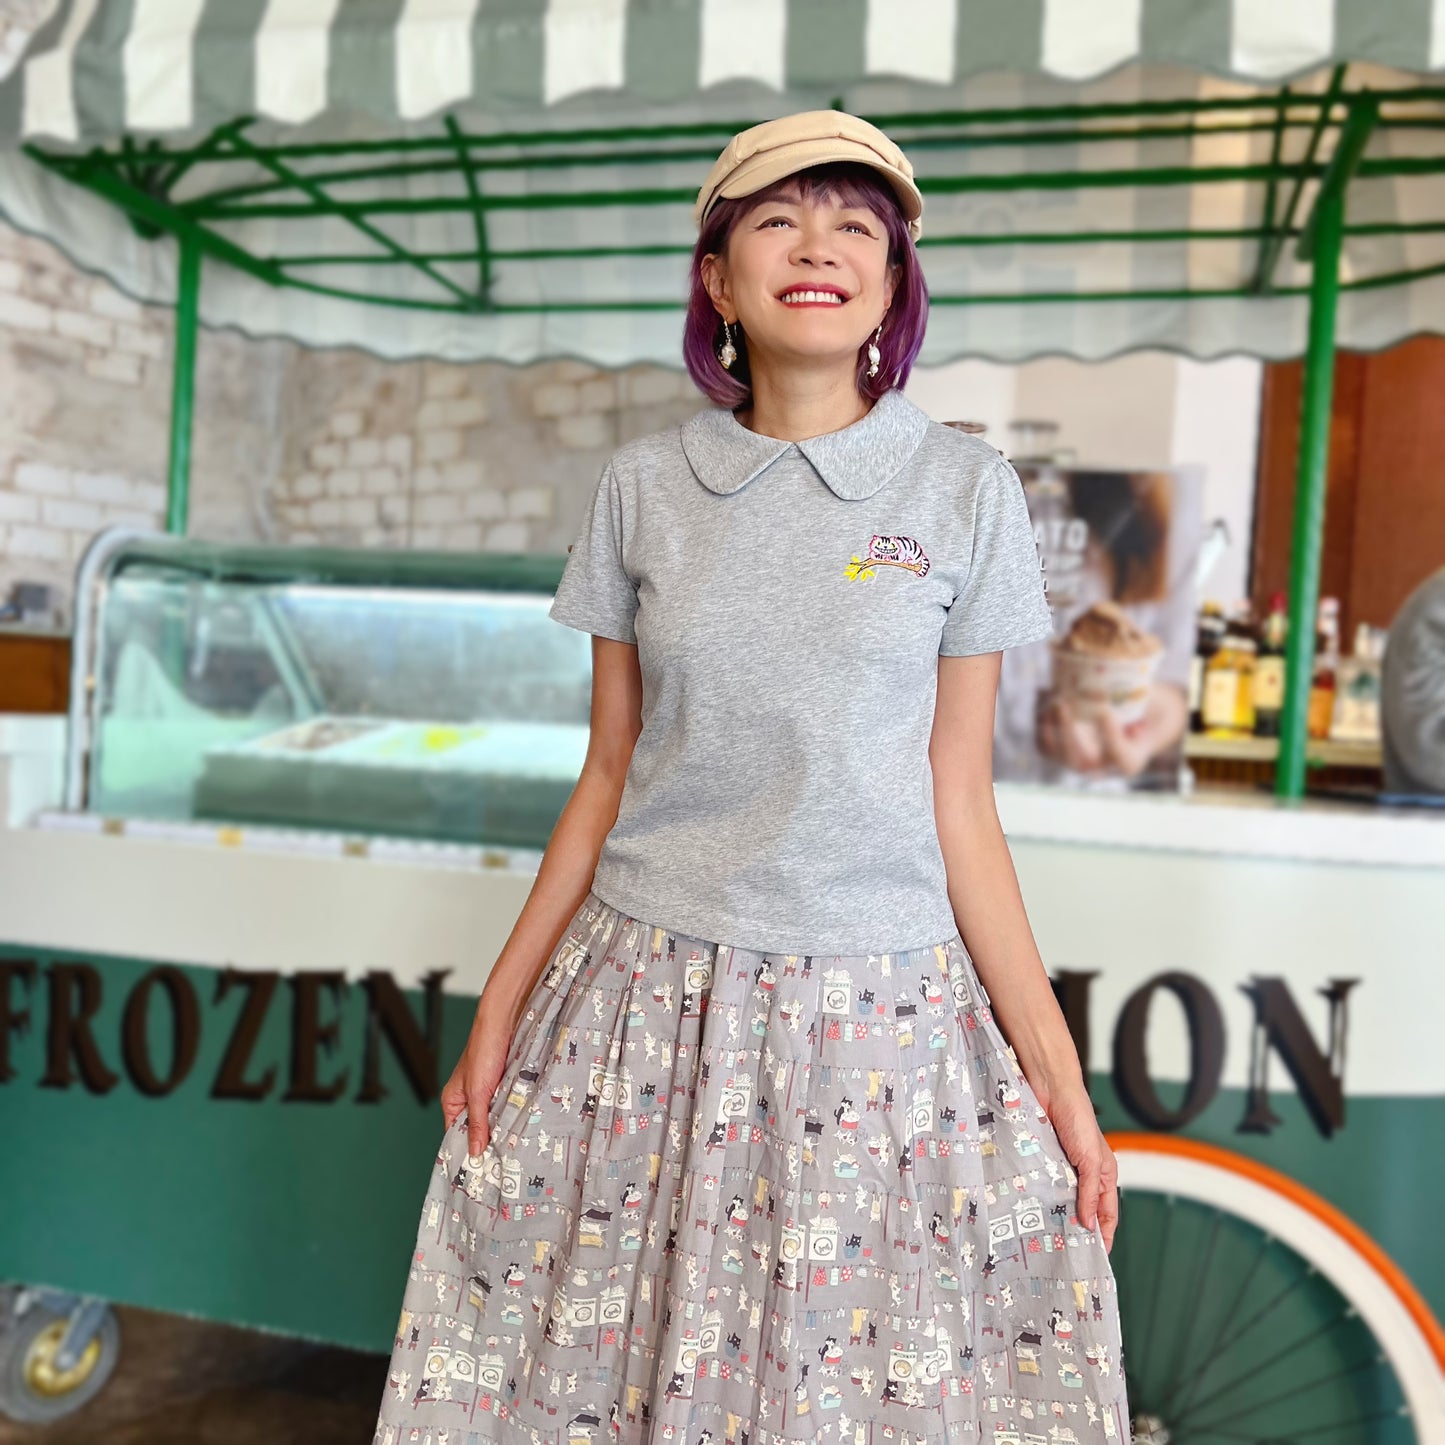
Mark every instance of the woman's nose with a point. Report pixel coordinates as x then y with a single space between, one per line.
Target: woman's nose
814 256
815 246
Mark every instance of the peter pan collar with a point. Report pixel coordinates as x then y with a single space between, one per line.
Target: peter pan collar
855 461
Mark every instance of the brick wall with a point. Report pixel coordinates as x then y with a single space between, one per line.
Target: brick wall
333 446
81 368
486 457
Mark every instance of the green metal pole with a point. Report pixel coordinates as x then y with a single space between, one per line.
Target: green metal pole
1321 242
1317 392
183 389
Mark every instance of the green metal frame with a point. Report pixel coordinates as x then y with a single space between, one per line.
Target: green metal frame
144 180
183 391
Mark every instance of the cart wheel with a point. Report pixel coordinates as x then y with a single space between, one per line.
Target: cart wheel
1253 1310
32 1390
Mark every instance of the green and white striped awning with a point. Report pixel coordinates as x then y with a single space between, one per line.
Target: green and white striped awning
161 66
512 179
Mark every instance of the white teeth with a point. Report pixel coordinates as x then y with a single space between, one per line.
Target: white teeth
800 296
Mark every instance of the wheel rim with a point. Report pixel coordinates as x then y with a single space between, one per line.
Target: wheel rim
1232 1334
41 1374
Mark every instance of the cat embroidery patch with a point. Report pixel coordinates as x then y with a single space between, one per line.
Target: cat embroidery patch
889 551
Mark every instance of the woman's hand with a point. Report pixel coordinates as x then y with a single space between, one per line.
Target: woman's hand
1071 1112
477 1074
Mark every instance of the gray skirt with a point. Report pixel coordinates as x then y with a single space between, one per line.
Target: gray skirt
742 1198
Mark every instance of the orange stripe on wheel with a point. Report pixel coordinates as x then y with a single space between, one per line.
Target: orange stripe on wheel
1307 1200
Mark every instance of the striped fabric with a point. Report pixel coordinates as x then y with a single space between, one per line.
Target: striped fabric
347 70
99 66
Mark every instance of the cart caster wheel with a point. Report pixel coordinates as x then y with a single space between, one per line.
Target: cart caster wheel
33 1389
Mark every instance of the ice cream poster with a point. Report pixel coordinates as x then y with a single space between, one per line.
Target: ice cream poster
1103 702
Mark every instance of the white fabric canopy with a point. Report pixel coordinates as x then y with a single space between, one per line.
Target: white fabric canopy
367 70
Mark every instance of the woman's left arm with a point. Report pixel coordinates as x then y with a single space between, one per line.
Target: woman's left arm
984 891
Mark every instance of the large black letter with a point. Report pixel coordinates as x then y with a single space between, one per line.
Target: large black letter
10 1022
185 1030
386 1011
307 1031
230 1077
1278 1024
70 1030
1206 1052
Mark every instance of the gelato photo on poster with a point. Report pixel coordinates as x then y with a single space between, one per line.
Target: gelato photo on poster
1103 703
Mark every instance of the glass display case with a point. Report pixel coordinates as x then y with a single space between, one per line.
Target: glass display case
420 695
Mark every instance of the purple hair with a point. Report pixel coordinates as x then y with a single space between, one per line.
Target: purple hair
849 183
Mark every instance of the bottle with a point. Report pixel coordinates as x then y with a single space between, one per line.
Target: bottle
1246 649
1356 716
1241 619
1269 670
1220 702
1327 656
1245 634
1035 440
1206 643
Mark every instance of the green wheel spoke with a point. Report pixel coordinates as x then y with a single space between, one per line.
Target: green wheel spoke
1312 1432
1373 1363
1159 1273
1183 1388
1348 1313
1201 1277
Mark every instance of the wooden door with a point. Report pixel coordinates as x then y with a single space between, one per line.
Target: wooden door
1385 495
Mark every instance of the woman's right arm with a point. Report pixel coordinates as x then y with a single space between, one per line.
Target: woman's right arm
563 880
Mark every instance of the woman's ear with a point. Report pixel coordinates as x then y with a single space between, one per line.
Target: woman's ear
895 275
713 279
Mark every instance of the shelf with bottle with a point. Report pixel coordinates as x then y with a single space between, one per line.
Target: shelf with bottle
1327 752
1237 682
1226 659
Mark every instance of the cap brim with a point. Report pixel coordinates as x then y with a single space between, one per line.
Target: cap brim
782 161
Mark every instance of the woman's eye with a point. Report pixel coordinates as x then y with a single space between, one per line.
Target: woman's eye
847 225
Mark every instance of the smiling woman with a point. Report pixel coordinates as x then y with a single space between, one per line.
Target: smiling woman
834 227
753 1115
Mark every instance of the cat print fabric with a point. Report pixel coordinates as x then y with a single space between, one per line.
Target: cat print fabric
745 1198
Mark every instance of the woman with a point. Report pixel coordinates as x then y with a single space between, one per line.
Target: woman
748 1160
1126 521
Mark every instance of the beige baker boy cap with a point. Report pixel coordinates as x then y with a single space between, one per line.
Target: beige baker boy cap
765 153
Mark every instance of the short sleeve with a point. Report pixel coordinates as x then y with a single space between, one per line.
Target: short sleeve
595 593
1002 602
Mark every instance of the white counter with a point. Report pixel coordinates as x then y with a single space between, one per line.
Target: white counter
1240 822
1221 885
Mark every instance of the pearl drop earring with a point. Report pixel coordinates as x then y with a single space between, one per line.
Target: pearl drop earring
727 352
874 357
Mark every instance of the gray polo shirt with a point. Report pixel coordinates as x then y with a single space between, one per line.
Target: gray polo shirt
789 601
